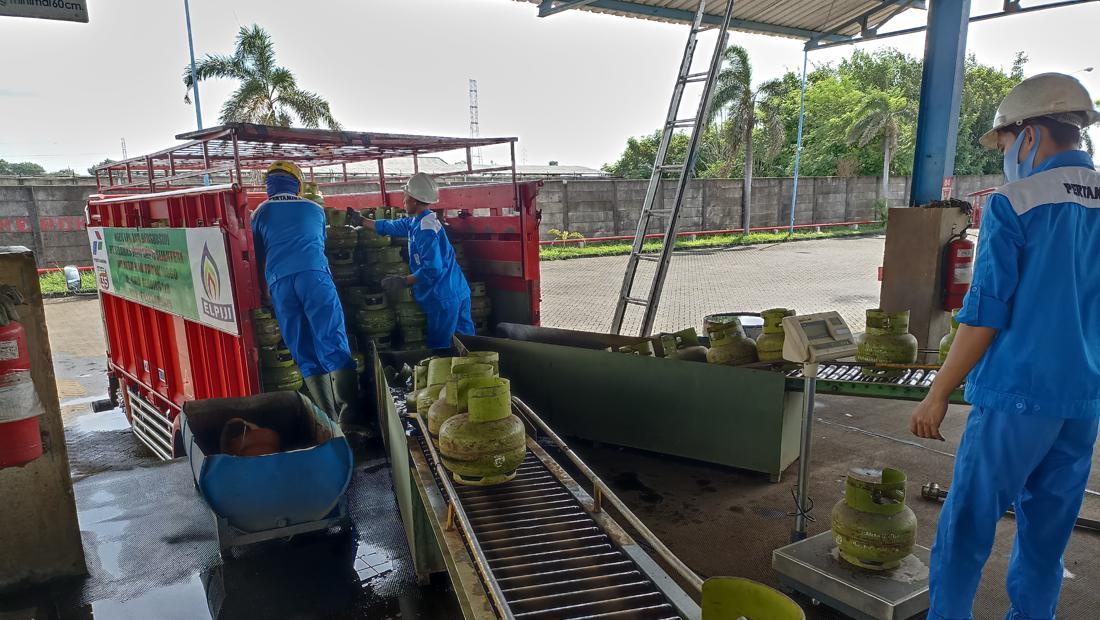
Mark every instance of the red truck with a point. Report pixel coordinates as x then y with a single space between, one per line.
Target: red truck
171 241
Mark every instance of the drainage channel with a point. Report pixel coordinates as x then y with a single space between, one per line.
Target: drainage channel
549 557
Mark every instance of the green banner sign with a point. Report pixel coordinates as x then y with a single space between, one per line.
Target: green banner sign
182 271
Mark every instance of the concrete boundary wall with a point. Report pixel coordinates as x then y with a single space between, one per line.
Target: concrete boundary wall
611 207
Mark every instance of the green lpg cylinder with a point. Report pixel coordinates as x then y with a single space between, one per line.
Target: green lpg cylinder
641 349
728 343
452 400
340 238
357 296
420 381
437 373
376 322
887 339
345 273
480 307
949 339
281 379
412 338
683 345
277 356
486 357
872 525
487 445
409 314
427 397
369 239
265 329
360 362
769 346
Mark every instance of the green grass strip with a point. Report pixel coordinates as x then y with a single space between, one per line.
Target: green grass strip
619 248
54 282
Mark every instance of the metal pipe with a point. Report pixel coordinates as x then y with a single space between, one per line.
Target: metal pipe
809 373
194 76
798 144
480 562
609 496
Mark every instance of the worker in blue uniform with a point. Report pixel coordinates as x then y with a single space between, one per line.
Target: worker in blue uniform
436 279
1030 434
289 235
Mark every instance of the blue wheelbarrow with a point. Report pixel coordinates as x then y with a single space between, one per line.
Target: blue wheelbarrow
299 489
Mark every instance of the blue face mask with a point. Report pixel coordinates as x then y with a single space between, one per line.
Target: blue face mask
281 184
1013 167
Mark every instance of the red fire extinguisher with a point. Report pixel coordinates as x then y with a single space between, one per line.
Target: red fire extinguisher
20 436
958 270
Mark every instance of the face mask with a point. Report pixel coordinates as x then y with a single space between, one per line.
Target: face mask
1014 168
281 184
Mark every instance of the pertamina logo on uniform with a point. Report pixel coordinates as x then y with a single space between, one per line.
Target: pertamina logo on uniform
212 289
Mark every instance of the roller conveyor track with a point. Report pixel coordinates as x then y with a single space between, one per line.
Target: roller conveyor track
549 557
856 379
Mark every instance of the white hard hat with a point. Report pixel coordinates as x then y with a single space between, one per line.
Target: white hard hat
1055 95
423 188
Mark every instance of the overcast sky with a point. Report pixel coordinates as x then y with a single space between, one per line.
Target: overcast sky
572 87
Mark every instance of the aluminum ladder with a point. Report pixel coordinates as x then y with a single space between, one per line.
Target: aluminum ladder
661 167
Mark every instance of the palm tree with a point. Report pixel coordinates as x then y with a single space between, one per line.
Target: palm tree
268 94
743 109
880 116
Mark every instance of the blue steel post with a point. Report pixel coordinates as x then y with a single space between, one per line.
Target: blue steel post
798 146
191 48
940 95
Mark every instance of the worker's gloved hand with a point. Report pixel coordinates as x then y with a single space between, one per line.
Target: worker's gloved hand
394 283
354 217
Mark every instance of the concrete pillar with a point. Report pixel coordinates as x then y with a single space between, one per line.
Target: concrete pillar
940 95
912 269
39 533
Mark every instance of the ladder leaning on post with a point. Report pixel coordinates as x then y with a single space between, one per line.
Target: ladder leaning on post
661 167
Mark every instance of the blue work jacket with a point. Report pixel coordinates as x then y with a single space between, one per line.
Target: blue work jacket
289 235
1037 281
439 279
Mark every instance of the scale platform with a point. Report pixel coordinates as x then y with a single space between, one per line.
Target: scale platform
813 568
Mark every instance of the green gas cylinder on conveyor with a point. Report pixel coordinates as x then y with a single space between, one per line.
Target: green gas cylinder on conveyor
641 349
949 338
769 346
485 357
452 399
436 372
683 345
887 339
728 343
486 445
872 526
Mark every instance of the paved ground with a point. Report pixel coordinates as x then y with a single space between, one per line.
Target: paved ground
809 276
719 520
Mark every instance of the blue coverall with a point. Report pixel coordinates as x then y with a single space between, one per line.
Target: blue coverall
1035 393
440 289
289 236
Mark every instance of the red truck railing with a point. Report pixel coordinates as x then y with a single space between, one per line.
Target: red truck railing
161 359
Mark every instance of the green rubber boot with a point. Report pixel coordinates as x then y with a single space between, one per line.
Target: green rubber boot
345 388
321 393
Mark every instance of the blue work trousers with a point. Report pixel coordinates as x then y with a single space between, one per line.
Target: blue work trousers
1038 464
312 321
447 319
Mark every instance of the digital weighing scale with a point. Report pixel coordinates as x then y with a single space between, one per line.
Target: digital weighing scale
812 566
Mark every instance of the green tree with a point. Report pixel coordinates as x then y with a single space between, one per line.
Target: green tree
21 169
744 108
881 117
91 169
637 159
267 94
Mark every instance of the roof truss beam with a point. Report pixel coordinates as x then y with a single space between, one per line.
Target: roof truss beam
548 7
1011 7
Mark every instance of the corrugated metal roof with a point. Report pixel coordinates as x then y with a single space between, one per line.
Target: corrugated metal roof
801 19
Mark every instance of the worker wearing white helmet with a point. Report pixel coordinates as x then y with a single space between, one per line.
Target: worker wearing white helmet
436 279
1036 396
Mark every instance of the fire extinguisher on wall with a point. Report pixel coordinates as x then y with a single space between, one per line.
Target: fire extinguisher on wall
20 435
958 270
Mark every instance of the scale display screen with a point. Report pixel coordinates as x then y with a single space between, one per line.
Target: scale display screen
815 338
